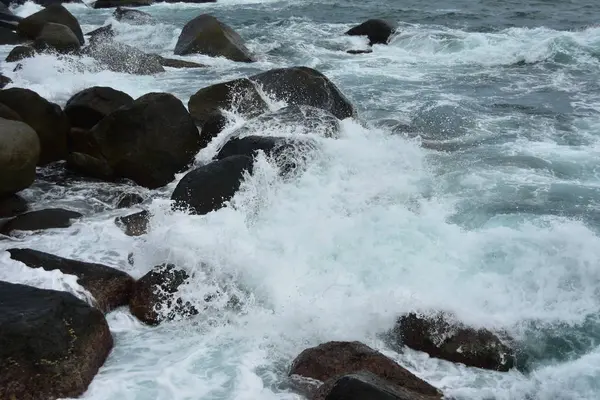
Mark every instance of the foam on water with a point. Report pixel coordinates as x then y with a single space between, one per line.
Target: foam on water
375 225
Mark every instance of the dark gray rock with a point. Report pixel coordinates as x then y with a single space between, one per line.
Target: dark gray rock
134 224
207 188
32 26
101 34
20 53
56 37
175 63
88 107
121 3
10 114
9 36
134 17
110 287
4 80
127 200
12 205
377 30
51 343
207 35
119 57
19 154
38 220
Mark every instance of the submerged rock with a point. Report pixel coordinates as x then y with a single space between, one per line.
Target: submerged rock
442 337
121 3
102 33
51 343
334 359
155 297
110 287
134 224
127 200
88 107
175 63
207 35
135 17
377 30
19 154
19 53
38 220
207 188
46 118
359 51
32 26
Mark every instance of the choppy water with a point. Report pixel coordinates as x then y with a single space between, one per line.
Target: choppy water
488 206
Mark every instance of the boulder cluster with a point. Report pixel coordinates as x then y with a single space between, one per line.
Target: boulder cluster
53 343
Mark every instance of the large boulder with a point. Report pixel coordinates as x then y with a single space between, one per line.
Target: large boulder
8 113
9 36
86 108
239 95
134 17
175 63
110 287
207 35
12 205
377 30
32 26
51 343
134 224
441 336
293 120
46 118
56 37
19 53
121 3
366 385
334 359
207 188
4 80
148 142
119 57
19 154
305 86
103 33
155 296
50 218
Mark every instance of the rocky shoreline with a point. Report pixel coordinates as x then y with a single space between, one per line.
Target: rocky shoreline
52 343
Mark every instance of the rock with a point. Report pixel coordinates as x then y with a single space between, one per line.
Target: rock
359 51
110 287
20 53
207 188
212 127
90 166
46 3
240 95
189 1
134 17
207 35
377 30
134 224
8 113
119 57
175 63
335 359
32 26
442 337
155 296
86 108
122 3
56 37
4 80
305 86
8 36
295 120
51 343
366 385
149 141
46 118
38 220
78 140
19 153
12 205
129 199
102 33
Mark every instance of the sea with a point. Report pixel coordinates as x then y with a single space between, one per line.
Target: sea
469 182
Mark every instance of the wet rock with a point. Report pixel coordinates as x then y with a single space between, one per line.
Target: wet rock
122 3
155 297
359 51
335 359
12 205
50 218
86 108
79 140
207 188
93 167
10 114
119 57
148 141
134 17
56 37
134 224
175 63
377 30
129 199
46 118
32 26
295 120
110 287
51 343
20 53
19 153
101 34
305 86
9 36
207 35
240 95
212 127
4 80
46 3
441 336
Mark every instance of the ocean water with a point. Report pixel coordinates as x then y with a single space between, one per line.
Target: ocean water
469 183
